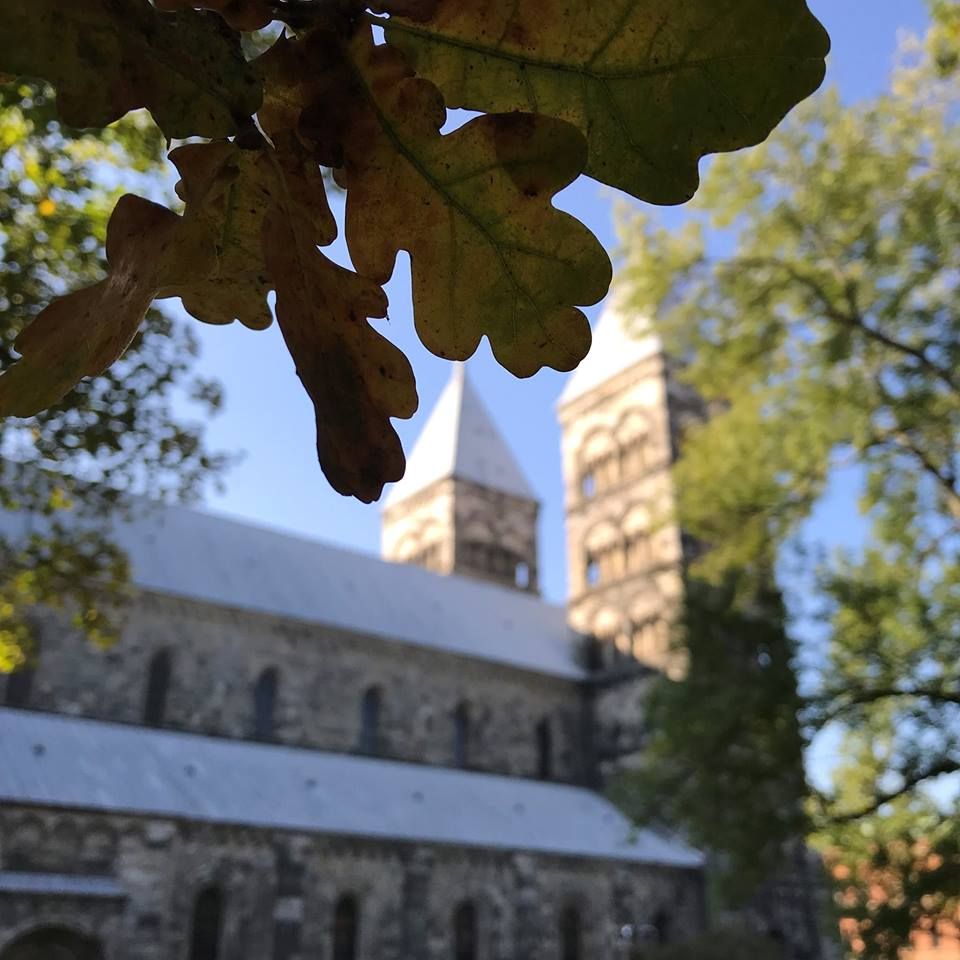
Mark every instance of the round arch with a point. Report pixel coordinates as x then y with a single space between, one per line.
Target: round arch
53 942
634 423
598 442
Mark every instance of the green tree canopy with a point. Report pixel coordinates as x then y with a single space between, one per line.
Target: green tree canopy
69 468
812 300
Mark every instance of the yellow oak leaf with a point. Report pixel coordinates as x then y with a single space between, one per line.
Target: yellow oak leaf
490 254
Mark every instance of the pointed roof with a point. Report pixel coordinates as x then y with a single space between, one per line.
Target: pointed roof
615 349
460 440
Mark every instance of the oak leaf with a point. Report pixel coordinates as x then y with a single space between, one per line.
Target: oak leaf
106 57
355 377
228 193
252 222
653 84
81 334
411 9
240 14
490 255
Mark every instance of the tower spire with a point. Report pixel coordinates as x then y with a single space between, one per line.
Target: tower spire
460 440
464 505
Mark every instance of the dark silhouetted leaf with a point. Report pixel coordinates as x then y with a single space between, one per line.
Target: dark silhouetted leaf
106 57
356 378
240 14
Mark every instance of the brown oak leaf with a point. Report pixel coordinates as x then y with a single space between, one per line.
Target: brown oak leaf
106 57
240 14
81 334
355 377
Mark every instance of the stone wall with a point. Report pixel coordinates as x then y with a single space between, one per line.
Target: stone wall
216 656
455 526
279 892
420 528
490 526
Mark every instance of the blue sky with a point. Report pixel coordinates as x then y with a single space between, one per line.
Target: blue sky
268 416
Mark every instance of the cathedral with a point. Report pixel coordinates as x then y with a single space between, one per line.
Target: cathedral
299 752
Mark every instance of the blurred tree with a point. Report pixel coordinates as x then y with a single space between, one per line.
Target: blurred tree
944 38
67 471
813 302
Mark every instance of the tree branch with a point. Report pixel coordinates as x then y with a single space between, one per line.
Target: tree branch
853 318
939 769
865 697
945 478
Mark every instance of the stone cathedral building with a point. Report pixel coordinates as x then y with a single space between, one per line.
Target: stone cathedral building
298 752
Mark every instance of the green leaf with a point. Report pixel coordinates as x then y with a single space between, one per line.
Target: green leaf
106 57
490 254
653 84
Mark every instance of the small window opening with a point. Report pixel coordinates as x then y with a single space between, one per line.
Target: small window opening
345 924
158 683
465 932
206 926
265 704
370 721
461 736
544 750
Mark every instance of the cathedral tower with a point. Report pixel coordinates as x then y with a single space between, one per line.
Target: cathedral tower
463 505
620 413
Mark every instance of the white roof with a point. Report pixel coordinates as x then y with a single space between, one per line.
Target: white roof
63 884
460 440
615 348
66 762
189 553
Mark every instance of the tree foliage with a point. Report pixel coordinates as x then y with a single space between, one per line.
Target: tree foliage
67 469
943 41
812 301
745 800
632 93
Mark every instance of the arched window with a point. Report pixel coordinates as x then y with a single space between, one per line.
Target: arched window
370 721
158 681
205 928
465 931
461 735
50 942
544 750
661 924
521 575
588 485
20 682
19 686
345 923
570 934
265 704
632 459
592 571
